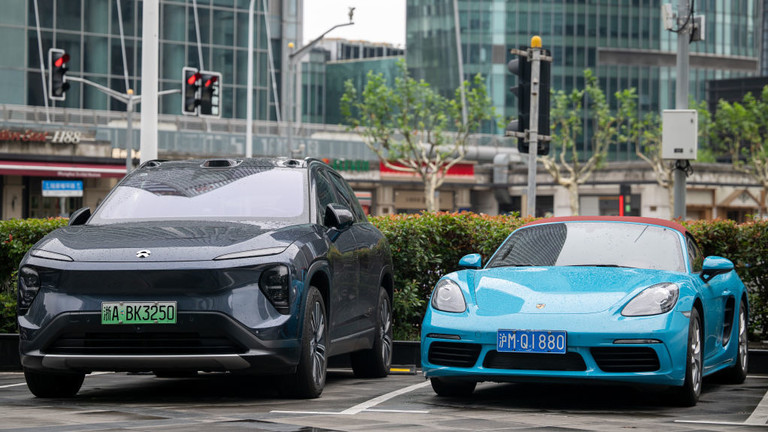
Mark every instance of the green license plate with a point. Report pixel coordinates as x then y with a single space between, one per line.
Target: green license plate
138 312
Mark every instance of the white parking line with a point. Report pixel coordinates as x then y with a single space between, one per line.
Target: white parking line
759 416
367 405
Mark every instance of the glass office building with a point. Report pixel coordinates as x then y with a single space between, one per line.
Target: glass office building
90 32
624 42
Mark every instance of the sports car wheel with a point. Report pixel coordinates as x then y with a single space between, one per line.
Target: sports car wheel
375 362
53 385
738 372
688 394
309 380
451 387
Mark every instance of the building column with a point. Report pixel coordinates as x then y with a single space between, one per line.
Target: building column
13 193
385 200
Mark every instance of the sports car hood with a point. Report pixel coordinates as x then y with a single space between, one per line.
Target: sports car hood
167 242
551 290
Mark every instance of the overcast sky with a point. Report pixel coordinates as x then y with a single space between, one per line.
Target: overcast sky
375 20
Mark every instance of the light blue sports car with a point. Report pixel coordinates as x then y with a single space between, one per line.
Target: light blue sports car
599 298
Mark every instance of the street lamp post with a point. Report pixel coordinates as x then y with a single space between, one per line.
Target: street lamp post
293 60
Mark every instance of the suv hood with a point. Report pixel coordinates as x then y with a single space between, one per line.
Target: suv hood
168 241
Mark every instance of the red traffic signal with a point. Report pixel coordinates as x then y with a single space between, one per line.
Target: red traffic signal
191 96
57 80
210 95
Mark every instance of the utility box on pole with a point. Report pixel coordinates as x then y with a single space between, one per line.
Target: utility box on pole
679 134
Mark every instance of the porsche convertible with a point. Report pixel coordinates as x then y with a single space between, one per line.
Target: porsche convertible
627 300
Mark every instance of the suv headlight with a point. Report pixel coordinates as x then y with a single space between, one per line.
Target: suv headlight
654 300
275 284
29 286
448 297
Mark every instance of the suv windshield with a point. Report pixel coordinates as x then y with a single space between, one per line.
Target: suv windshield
592 244
184 193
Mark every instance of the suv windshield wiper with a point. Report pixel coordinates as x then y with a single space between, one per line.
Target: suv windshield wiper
599 265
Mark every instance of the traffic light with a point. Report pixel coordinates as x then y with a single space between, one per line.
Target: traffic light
545 71
625 200
57 79
210 96
522 68
190 99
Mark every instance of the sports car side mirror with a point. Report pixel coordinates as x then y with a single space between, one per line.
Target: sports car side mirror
471 261
338 216
80 216
715 265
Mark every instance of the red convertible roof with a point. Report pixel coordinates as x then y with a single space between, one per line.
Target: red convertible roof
633 219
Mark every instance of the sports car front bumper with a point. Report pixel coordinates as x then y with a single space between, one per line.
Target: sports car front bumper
643 350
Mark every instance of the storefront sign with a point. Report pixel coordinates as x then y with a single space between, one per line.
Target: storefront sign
62 188
348 164
60 169
460 170
55 137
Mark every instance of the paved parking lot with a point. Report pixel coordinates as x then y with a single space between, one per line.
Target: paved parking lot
214 402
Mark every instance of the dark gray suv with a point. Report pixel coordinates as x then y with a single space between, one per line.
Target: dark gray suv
260 266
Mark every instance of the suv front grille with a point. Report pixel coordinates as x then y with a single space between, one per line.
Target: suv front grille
154 343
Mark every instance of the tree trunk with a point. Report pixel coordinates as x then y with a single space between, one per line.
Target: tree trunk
671 197
429 194
573 191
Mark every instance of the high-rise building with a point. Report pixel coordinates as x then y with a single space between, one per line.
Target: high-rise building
104 44
624 42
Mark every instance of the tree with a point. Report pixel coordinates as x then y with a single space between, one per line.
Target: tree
742 128
412 128
566 164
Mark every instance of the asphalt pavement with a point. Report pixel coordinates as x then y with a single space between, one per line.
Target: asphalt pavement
402 402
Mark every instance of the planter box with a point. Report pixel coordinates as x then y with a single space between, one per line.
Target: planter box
9 352
404 353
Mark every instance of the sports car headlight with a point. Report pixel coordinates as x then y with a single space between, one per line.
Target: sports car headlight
448 297
654 300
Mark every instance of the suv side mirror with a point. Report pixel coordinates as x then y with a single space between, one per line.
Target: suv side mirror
80 216
715 265
338 216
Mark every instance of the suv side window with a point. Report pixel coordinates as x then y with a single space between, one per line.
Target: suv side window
348 196
694 254
324 193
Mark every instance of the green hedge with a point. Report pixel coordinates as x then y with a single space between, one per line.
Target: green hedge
428 245
16 237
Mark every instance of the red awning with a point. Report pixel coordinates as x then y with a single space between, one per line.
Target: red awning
60 169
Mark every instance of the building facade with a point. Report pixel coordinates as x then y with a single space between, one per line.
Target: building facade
623 42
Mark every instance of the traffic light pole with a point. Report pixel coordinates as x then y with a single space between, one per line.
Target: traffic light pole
533 128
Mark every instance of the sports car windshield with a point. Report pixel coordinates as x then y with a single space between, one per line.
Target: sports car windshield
592 244
231 194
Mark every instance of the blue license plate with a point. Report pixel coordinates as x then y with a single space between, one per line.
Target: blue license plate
531 341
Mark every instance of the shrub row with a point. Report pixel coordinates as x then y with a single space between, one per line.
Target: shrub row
428 245
16 237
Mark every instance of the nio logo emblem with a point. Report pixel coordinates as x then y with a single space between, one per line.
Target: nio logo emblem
143 253
540 305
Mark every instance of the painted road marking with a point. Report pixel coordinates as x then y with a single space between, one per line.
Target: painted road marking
367 405
759 416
